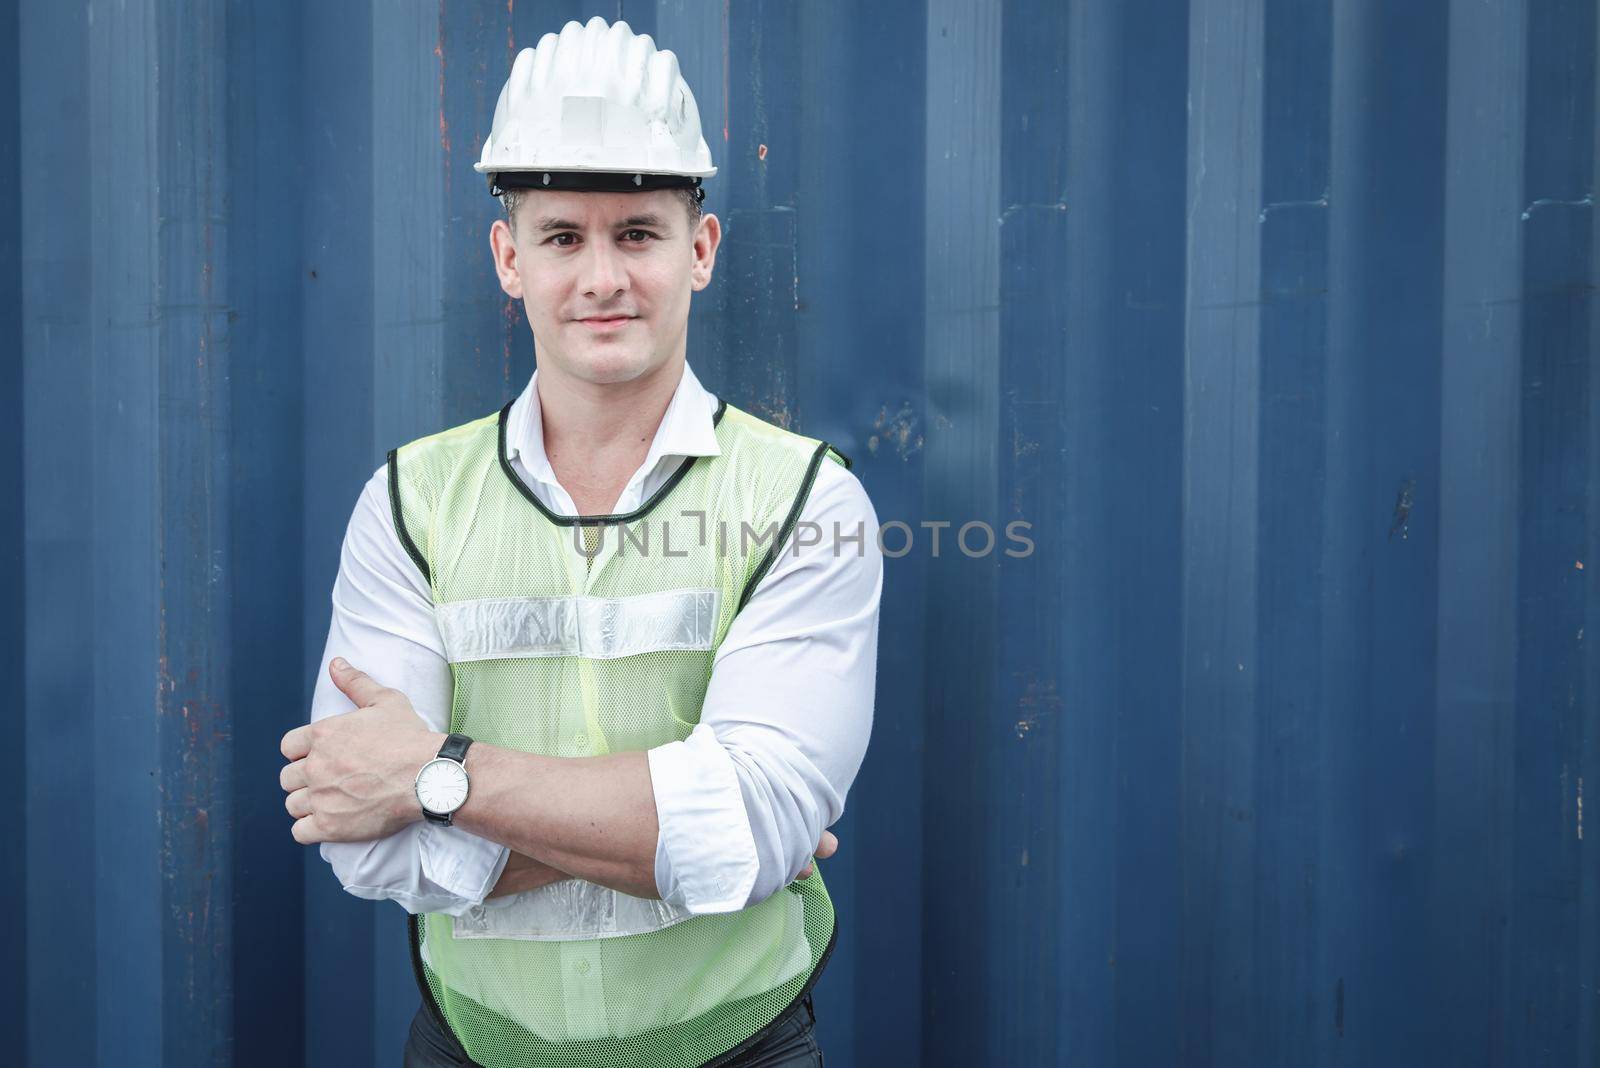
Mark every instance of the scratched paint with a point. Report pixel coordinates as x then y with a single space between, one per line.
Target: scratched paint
898 432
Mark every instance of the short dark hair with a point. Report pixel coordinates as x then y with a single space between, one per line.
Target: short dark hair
510 199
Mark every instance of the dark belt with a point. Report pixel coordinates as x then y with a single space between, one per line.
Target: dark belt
789 1040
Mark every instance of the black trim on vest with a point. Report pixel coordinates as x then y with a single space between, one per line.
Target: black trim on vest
720 1059
596 520
427 991
399 518
843 458
788 524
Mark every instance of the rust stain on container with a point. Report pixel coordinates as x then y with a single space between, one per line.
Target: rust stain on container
444 124
899 430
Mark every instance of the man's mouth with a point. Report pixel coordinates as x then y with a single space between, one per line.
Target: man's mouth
607 322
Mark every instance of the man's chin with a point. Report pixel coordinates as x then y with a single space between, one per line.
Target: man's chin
604 368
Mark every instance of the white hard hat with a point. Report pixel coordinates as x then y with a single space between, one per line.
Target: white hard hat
596 107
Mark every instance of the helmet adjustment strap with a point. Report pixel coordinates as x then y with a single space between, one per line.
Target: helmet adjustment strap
593 181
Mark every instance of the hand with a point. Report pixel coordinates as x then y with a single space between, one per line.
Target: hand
827 847
353 776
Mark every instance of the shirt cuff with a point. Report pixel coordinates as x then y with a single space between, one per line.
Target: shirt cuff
706 854
460 863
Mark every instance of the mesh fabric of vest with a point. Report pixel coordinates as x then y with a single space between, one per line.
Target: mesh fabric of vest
563 992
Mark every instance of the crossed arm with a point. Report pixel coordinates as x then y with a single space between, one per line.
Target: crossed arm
714 822
350 779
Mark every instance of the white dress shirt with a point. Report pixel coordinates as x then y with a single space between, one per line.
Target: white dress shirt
743 800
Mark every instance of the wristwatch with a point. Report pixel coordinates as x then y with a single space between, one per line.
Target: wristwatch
442 782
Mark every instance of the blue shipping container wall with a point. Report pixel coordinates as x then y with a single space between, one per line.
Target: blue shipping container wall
1276 321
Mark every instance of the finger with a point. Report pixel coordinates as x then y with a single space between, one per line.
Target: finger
805 872
306 831
298 803
293 776
297 743
354 683
827 845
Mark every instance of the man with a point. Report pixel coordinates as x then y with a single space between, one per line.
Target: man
616 642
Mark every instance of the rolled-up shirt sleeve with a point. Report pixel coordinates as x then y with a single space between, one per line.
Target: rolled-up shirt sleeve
783 731
383 623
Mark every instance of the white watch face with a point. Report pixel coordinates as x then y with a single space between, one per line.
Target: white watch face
442 785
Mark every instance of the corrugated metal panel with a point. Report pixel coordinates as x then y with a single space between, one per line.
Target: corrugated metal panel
1276 321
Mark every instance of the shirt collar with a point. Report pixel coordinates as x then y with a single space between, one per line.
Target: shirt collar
686 429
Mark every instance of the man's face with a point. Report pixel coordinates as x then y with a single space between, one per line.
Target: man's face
605 278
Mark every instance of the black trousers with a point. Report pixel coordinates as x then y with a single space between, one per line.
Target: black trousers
788 1043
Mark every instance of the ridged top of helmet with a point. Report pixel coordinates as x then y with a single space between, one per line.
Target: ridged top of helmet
596 97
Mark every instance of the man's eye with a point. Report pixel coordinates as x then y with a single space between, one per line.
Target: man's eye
644 235
559 239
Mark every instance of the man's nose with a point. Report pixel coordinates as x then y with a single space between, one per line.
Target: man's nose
604 273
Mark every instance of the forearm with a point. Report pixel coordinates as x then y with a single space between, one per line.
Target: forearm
382 618
590 817
522 873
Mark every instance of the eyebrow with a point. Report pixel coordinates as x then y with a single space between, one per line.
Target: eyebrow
547 225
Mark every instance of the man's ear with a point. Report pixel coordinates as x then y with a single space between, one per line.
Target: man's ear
504 248
707 236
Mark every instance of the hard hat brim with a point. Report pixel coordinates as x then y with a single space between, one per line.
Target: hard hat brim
592 181
578 168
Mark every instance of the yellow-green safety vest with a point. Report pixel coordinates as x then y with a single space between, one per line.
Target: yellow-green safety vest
558 655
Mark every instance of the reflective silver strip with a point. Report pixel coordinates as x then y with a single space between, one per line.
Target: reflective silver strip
596 628
569 910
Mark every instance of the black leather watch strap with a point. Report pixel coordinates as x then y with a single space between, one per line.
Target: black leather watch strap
455 747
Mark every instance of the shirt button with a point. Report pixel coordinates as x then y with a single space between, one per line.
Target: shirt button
581 967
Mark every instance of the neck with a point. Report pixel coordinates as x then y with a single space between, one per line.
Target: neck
587 423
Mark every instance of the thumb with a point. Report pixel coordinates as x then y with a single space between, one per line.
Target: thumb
354 683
